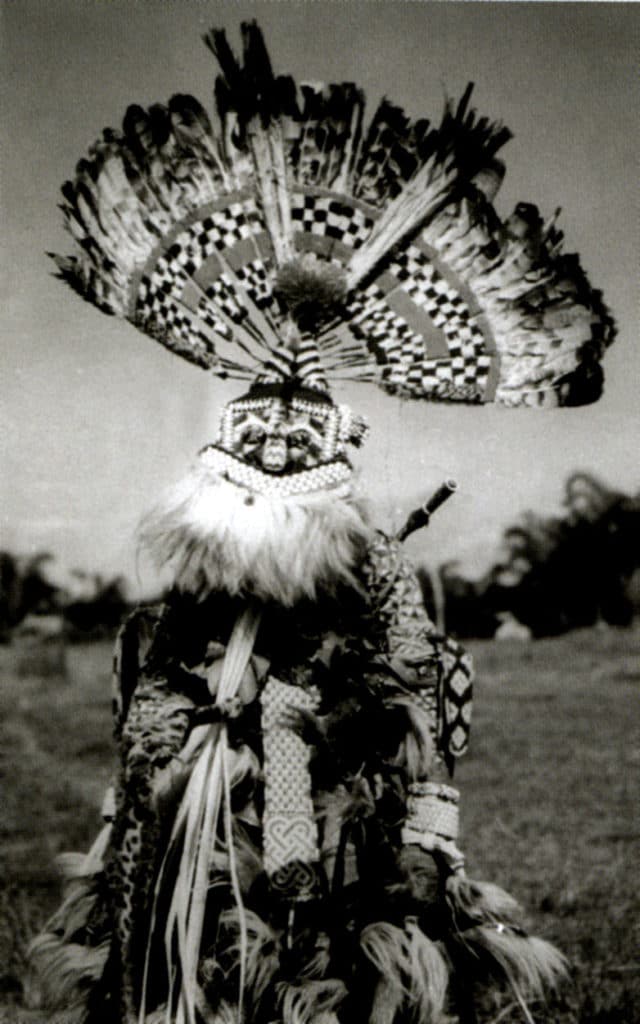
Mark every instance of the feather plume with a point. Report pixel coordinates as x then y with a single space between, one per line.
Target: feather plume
471 901
66 973
310 1002
325 136
251 92
530 965
388 157
412 970
423 171
262 951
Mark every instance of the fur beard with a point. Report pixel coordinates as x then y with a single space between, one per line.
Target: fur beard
217 536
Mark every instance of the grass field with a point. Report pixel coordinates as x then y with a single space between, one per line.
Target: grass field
550 798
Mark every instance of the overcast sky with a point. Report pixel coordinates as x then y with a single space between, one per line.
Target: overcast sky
97 419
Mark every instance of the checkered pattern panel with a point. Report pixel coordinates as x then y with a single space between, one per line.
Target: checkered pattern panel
215 232
223 296
407 366
176 329
207 314
255 278
440 300
330 217
405 361
222 229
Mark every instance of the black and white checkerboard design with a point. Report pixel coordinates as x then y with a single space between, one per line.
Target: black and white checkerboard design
225 297
222 229
403 353
445 306
257 280
394 345
330 217
208 315
217 231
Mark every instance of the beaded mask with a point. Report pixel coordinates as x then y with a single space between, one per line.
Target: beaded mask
288 437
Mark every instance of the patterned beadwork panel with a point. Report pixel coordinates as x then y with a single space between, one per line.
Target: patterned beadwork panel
457 697
422 331
320 478
329 216
420 327
433 807
290 831
199 262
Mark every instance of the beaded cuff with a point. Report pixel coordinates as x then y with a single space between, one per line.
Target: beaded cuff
432 807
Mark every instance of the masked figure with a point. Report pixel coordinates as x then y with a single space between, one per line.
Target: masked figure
282 846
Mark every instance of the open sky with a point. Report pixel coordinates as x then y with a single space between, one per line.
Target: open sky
97 419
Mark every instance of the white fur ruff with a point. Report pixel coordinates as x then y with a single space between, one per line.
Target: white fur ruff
216 535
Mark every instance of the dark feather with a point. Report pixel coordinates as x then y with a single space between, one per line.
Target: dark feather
389 155
329 128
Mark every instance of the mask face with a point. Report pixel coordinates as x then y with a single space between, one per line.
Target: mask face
278 435
280 439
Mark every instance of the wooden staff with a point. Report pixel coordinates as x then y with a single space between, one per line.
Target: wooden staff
420 516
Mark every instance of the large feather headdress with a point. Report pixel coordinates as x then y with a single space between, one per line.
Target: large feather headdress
294 241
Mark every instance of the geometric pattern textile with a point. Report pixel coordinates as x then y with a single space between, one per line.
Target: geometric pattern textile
290 833
457 697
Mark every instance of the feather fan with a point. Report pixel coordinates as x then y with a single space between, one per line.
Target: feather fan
185 227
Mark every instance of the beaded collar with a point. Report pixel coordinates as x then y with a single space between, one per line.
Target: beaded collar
306 481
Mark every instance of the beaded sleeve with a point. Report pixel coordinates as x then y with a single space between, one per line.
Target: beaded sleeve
438 673
408 634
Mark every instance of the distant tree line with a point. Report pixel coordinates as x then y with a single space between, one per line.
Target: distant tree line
37 595
551 574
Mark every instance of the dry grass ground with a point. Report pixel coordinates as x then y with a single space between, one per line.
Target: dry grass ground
550 799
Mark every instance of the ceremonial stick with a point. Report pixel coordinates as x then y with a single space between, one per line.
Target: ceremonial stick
420 516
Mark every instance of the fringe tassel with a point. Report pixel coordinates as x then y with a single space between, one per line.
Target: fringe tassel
262 950
311 1002
66 973
481 902
412 969
61 972
193 837
417 748
530 965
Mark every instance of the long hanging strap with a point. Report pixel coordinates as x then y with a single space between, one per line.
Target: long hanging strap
194 831
290 831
